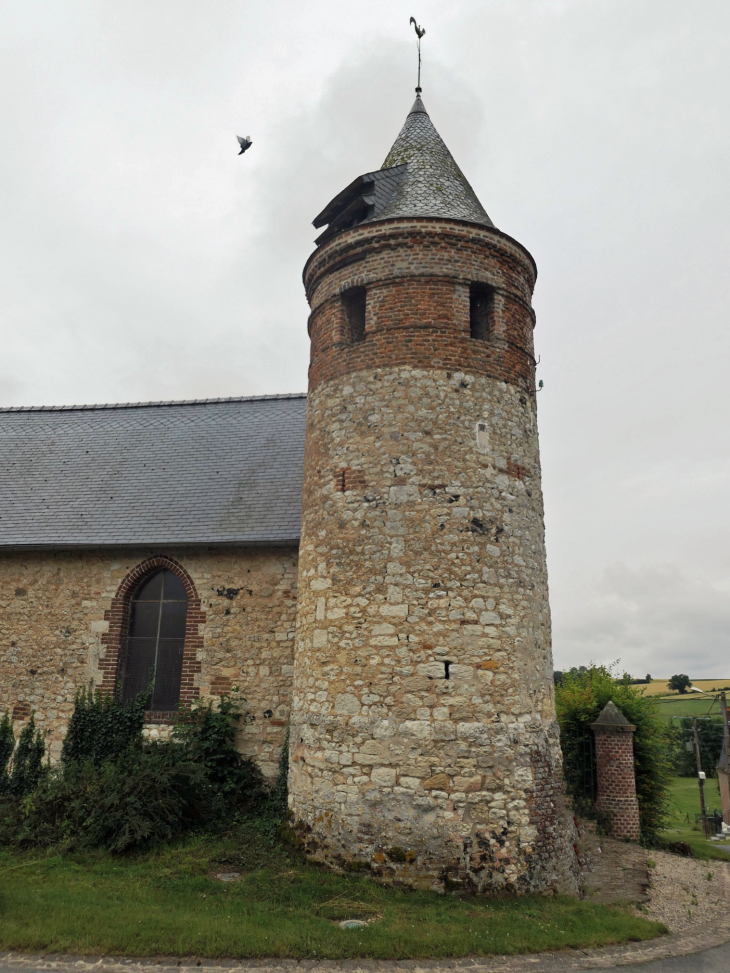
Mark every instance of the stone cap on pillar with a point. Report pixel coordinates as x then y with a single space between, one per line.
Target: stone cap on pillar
611 718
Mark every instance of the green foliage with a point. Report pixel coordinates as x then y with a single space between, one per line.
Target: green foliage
206 735
113 790
679 683
144 797
683 760
7 745
27 761
579 699
101 727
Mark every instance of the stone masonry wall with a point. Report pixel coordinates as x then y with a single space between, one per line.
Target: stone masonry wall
616 780
55 612
424 741
424 744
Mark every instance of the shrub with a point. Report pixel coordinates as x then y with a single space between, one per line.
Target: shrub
116 791
579 699
7 745
102 728
206 736
27 760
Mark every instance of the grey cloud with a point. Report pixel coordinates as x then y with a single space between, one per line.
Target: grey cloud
653 619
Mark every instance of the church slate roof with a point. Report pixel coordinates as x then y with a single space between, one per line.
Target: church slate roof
207 471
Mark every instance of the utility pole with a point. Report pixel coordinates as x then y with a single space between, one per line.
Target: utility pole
700 775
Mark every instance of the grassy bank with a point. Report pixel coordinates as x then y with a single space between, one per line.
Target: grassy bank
700 706
684 803
169 902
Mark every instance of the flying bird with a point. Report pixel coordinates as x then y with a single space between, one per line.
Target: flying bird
244 143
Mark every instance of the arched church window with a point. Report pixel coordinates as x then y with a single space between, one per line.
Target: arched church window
154 646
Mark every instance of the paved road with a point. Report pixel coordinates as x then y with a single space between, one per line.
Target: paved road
627 959
715 960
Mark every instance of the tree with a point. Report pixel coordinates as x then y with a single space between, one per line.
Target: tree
679 683
648 677
710 732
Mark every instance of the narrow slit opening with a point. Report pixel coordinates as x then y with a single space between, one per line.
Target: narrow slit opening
355 301
481 311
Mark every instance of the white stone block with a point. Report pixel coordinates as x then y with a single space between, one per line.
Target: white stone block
346 704
383 776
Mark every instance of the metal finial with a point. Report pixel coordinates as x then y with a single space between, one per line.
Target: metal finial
420 31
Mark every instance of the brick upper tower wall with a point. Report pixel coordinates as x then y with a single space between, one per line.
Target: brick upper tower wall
418 274
424 744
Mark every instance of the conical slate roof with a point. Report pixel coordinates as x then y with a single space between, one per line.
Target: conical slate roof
433 184
418 178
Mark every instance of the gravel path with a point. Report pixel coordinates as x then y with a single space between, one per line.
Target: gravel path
682 893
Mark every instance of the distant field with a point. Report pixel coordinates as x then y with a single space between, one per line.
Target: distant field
694 705
659 686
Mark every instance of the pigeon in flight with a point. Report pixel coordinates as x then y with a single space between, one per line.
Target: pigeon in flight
244 143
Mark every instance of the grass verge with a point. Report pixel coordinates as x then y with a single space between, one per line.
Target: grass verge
169 902
700 706
684 803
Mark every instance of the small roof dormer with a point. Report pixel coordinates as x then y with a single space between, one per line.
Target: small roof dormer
419 177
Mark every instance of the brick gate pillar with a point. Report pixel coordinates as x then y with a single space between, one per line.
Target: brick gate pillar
615 772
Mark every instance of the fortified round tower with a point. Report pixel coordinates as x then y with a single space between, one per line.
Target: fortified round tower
424 744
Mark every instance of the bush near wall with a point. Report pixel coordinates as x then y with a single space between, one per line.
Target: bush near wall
579 697
116 791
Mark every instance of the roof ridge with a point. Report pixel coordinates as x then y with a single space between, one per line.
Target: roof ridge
161 403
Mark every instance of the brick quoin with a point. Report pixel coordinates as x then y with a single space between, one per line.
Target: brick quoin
616 779
118 618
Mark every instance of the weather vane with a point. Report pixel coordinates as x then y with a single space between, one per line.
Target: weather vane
420 31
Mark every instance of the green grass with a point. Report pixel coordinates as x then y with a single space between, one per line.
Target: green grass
684 800
167 902
689 705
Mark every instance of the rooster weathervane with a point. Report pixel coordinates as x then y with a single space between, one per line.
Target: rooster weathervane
420 31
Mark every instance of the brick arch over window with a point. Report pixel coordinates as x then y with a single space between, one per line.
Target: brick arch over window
118 618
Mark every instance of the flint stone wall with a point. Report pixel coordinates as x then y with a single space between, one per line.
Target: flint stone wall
424 743
55 623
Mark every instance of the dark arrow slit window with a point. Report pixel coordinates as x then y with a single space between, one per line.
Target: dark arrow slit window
481 311
154 646
355 301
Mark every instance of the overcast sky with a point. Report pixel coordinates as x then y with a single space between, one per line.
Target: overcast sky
141 258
